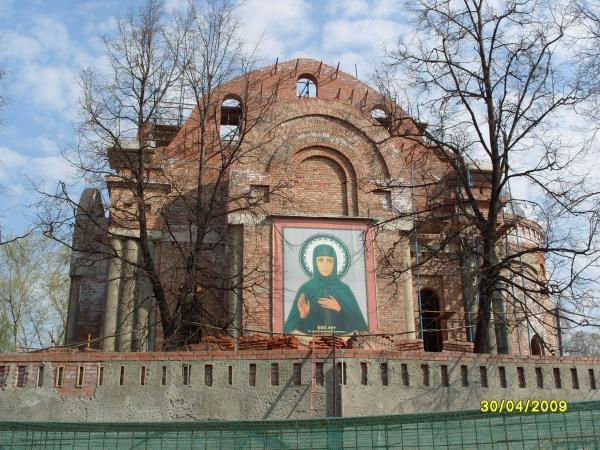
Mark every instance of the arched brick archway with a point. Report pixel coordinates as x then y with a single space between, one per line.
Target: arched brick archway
320 186
330 177
351 138
537 345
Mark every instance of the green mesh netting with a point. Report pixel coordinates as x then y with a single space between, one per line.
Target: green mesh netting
579 428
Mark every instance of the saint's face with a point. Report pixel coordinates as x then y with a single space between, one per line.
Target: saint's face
325 265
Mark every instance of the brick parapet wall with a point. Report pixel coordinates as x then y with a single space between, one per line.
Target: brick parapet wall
242 385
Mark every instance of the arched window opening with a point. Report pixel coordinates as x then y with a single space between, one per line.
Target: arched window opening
537 345
306 86
231 119
380 115
431 322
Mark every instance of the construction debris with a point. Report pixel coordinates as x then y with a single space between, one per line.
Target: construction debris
382 343
327 342
256 342
214 343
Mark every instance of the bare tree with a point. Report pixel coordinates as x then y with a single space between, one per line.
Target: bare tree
3 102
488 84
178 187
589 11
220 134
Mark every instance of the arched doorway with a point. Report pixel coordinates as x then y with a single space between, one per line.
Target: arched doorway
537 345
431 322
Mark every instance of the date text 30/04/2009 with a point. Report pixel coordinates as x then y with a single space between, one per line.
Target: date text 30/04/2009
524 406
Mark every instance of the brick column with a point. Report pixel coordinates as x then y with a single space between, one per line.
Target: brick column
111 303
73 311
145 304
407 291
127 297
236 268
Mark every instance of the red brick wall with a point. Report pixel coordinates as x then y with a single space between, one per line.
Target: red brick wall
322 183
73 358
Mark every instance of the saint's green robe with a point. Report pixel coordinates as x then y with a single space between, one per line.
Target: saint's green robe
350 318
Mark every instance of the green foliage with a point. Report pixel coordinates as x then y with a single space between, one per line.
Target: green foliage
6 338
34 282
582 343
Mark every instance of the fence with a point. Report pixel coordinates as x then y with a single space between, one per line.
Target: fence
578 428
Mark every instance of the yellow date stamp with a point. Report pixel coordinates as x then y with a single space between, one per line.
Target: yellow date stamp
524 406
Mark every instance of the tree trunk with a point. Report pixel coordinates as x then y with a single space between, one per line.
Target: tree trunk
483 336
491 336
503 341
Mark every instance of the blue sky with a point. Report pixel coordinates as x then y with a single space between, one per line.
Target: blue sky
45 43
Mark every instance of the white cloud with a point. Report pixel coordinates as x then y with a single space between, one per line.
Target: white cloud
44 61
16 168
50 87
51 168
385 9
21 47
9 159
279 26
173 6
53 35
348 8
103 27
388 8
45 40
357 35
351 62
41 144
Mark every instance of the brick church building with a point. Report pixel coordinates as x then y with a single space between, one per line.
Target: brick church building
327 282
300 170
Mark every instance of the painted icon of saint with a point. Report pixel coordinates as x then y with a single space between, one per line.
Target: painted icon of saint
324 302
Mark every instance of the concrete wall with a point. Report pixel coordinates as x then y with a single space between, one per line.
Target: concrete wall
235 398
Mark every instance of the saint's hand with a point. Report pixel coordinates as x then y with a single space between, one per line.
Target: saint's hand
330 303
303 307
